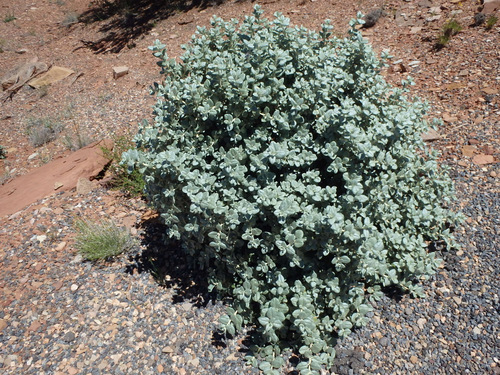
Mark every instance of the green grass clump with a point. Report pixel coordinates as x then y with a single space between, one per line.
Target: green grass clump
450 28
3 153
101 240
128 181
490 22
9 18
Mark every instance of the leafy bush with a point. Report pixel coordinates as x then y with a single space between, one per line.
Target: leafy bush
296 176
3 153
101 241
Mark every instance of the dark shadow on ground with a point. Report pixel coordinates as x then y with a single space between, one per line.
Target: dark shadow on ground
123 21
169 265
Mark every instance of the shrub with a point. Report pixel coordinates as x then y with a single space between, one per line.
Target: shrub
101 240
296 176
76 138
3 153
9 18
43 130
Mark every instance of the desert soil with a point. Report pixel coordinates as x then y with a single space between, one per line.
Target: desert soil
42 275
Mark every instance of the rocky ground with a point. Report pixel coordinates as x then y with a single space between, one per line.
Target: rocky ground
63 316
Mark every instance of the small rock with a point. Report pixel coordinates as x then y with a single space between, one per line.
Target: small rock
479 19
493 174
231 357
421 322
167 350
489 91
490 6
384 341
457 300
84 186
119 71
32 156
74 287
185 20
61 246
448 118
431 135
415 29
488 150
10 360
41 238
58 185
476 331
424 4
58 285
69 336
482 159
413 359
77 259
468 150
372 17
21 51
194 362
474 141
3 324
34 326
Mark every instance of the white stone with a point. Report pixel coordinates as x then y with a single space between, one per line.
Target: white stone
119 71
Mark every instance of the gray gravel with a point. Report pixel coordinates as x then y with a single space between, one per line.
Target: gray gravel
65 316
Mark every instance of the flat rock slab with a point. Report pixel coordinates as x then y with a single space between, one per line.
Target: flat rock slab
490 6
61 174
56 73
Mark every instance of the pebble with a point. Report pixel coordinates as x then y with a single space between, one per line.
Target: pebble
69 336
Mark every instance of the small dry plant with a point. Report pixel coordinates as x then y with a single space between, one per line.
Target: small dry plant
450 28
101 240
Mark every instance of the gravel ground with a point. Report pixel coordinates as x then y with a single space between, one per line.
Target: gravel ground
64 316
455 329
